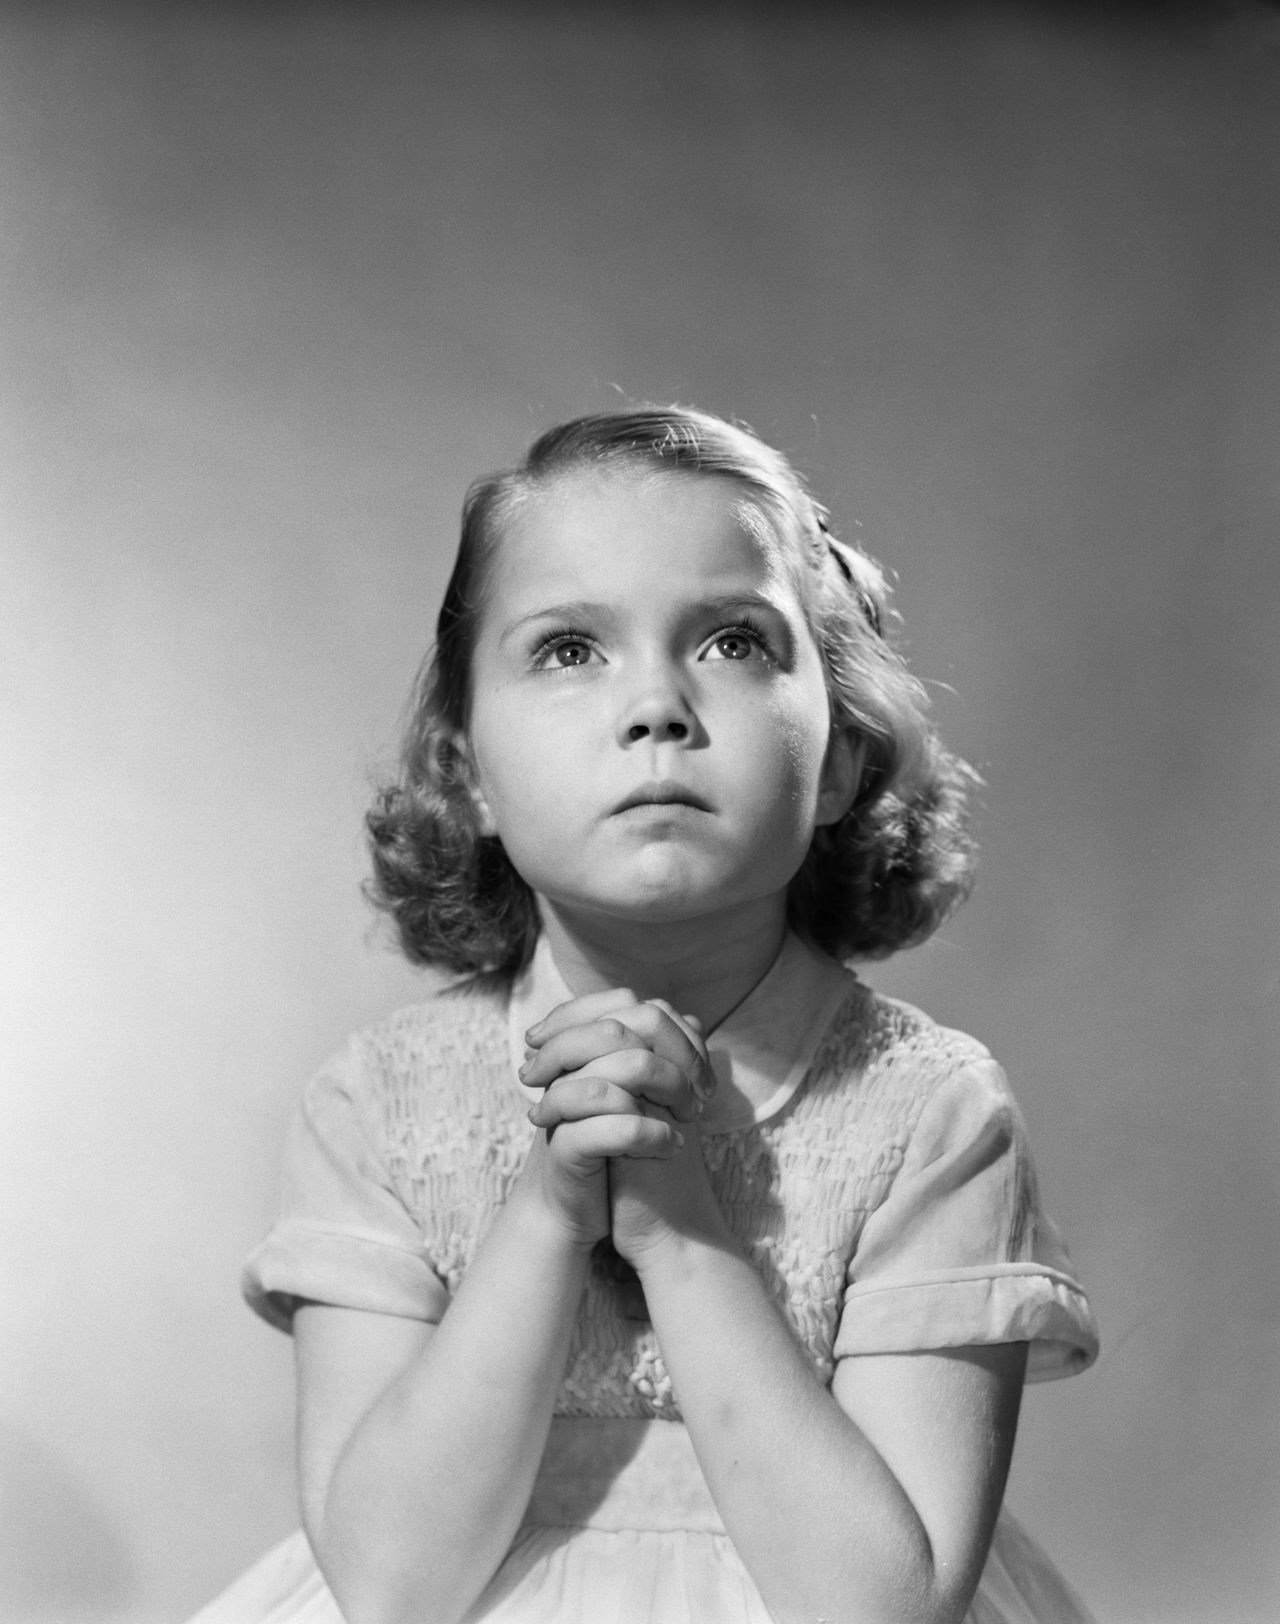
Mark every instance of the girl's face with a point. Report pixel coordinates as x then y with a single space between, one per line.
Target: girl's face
649 721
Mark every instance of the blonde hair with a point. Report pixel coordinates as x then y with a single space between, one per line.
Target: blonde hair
882 878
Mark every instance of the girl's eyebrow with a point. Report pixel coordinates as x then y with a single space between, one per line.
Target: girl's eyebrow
574 610
733 601
701 608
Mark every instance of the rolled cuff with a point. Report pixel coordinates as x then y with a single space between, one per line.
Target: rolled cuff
957 1308
308 1262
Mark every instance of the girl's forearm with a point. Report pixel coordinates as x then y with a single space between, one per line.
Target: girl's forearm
822 1524
428 1493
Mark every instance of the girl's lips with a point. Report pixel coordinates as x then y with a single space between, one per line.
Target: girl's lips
662 795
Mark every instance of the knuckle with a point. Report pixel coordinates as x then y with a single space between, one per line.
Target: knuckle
659 1070
645 1136
636 1132
662 1083
632 1067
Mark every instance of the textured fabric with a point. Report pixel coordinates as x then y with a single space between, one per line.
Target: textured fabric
621 1530
634 1576
889 1203
621 1473
871 1164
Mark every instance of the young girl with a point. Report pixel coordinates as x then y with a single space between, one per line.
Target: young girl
658 1271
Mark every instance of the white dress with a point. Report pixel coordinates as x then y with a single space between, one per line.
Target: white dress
883 1190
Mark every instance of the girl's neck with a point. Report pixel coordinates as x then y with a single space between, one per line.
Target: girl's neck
703 967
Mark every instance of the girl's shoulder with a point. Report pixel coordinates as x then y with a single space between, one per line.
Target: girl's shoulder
457 1035
874 1029
888 1059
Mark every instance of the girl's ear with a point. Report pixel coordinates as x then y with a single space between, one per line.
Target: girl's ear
466 762
841 775
484 818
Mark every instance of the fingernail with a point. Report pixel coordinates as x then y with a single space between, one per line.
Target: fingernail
678 1136
535 1028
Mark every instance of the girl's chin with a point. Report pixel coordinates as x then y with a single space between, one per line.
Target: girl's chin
664 885
678 905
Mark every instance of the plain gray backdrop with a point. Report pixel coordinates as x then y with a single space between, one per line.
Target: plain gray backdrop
278 281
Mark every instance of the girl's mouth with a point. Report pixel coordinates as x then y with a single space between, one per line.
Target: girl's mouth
662 794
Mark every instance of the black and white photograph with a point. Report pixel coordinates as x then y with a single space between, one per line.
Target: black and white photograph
640 813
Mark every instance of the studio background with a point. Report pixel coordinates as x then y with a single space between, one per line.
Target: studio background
278 283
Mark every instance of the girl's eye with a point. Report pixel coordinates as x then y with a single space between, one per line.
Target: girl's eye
564 652
736 643
571 654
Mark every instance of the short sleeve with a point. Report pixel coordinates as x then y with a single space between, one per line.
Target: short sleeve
959 1252
343 1236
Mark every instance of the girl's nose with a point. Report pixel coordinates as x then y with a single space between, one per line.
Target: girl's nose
672 729
661 716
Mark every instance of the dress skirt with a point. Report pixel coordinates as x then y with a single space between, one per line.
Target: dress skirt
622 1530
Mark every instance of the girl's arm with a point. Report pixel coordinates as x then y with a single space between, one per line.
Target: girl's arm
872 1501
418 1445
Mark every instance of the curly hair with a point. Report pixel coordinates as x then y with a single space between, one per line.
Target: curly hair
881 878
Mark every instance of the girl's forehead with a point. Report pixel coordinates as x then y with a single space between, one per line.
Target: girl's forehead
623 518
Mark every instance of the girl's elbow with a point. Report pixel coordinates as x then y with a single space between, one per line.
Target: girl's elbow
374 1603
915 1593
944 1597
373 1586
933 1606
912 1602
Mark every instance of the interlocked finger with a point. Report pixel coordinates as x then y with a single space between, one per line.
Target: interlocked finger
580 1096
575 1047
581 1012
603 1138
634 1068
645 1027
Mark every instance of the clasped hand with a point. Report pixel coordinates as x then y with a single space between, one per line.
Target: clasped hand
624 1081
